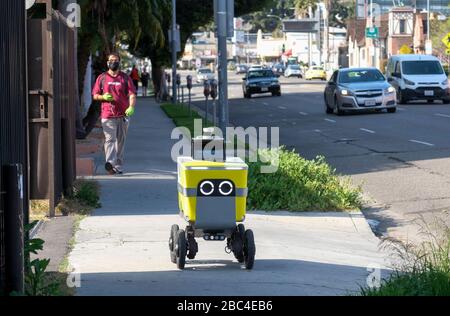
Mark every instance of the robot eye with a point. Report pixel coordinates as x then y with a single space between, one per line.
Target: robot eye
226 188
207 188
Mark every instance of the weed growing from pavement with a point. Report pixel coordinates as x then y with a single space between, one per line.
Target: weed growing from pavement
423 270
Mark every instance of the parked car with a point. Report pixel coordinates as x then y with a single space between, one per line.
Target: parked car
359 89
316 72
293 71
241 69
278 69
256 67
204 74
261 81
418 77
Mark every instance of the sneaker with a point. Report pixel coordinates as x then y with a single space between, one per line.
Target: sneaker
110 169
117 170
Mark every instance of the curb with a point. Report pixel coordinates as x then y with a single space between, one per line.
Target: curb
36 229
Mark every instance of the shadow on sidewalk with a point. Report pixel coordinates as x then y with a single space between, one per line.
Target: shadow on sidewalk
270 277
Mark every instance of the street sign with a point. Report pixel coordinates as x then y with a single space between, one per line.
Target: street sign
372 32
446 40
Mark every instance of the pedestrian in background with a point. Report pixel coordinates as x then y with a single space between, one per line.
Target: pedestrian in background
135 77
145 78
117 93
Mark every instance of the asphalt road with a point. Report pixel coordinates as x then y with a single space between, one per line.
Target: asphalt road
401 160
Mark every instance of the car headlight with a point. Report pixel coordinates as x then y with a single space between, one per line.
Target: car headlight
409 82
346 92
390 90
445 83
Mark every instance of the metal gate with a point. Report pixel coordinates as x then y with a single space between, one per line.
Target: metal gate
13 106
52 103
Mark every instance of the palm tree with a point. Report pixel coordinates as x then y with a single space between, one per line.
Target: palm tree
302 6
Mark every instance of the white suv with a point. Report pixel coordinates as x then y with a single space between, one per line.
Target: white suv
418 77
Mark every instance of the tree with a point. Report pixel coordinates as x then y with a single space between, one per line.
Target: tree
191 16
302 6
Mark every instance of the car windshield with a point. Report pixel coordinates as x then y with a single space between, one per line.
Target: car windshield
422 67
361 76
295 67
205 71
260 74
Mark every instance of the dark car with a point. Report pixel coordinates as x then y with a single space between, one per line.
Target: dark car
278 69
261 81
241 69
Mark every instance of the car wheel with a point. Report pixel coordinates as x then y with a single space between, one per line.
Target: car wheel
339 112
430 101
392 110
446 101
400 97
328 110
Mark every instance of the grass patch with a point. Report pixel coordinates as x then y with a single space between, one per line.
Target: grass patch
424 270
182 117
85 198
299 184
64 265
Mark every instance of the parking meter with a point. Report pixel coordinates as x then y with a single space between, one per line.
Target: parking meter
169 78
206 89
178 79
189 82
213 94
213 89
206 92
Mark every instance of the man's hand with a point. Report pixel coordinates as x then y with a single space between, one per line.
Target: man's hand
108 97
130 111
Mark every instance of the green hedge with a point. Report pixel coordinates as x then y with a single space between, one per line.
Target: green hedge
300 185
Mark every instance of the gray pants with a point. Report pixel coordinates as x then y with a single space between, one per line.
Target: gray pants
115 131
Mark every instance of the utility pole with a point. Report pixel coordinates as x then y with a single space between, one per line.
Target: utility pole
428 20
222 32
174 51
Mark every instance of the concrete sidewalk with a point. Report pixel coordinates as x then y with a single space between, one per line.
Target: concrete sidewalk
123 248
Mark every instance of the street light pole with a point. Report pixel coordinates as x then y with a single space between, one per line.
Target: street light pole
223 60
174 51
428 19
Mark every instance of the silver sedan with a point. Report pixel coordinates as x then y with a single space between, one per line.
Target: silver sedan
359 89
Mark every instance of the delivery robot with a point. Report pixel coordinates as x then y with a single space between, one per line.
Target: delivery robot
212 199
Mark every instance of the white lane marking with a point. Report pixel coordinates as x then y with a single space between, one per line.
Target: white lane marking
265 103
420 142
282 108
367 131
331 121
442 115
303 113
401 109
317 131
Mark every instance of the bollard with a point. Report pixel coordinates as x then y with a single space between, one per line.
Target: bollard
178 83
14 229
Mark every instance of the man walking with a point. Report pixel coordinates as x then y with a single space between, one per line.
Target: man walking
135 77
117 93
145 78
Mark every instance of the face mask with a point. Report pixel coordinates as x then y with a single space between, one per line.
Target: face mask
114 66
